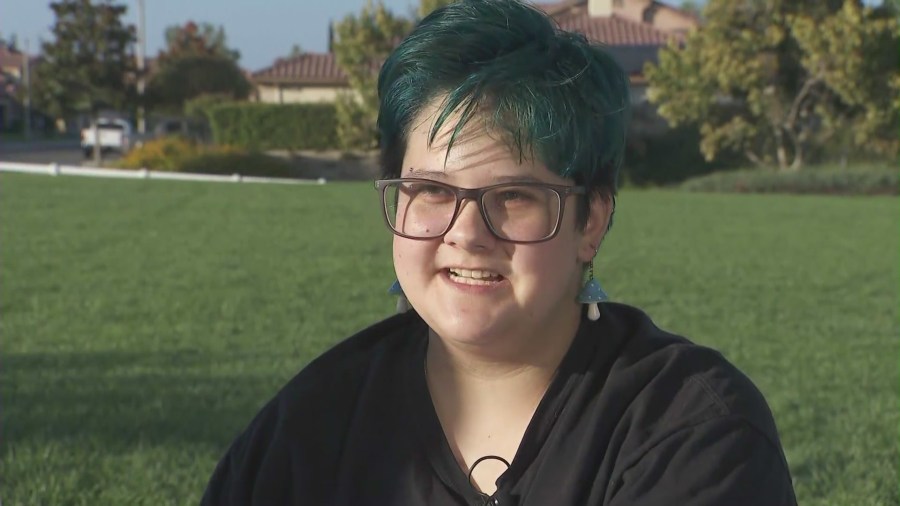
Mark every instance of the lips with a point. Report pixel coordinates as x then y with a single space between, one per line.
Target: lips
478 277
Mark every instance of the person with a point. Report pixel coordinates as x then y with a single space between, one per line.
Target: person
506 379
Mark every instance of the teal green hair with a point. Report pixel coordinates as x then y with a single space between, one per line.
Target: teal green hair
554 95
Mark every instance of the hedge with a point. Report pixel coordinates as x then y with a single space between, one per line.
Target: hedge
275 126
175 154
829 181
245 164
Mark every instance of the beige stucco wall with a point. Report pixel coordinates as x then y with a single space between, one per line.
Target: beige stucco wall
670 21
632 10
664 19
602 8
287 94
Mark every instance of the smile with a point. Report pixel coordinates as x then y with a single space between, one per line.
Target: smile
474 277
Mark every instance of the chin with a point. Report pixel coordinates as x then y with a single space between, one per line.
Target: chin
470 329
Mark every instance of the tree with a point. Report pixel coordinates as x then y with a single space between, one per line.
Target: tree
90 63
692 7
853 55
362 44
11 42
181 79
296 50
751 80
426 6
192 39
196 62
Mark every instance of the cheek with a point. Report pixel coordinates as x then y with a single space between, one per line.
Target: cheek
400 255
410 255
554 262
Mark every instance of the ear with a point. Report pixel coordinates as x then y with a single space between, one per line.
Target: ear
599 215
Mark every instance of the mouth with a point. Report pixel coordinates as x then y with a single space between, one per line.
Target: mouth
475 277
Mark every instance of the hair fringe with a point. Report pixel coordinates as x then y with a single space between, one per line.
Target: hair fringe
551 93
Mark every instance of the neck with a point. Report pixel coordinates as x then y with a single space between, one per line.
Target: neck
509 368
523 350
485 399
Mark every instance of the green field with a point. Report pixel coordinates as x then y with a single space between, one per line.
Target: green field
144 322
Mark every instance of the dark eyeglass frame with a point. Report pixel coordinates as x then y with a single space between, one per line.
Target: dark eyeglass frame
477 195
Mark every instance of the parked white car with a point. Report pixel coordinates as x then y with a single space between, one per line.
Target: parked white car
114 135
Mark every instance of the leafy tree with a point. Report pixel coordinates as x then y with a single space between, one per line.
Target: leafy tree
361 46
196 62
426 6
296 50
11 42
692 7
90 63
853 56
192 39
754 79
181 79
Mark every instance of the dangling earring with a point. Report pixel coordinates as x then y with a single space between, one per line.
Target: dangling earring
591 294
402 303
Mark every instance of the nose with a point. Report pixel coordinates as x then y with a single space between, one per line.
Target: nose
469 231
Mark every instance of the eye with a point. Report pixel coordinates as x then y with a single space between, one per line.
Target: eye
513 195
428 192
433 189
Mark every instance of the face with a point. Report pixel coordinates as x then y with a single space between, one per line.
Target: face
530 289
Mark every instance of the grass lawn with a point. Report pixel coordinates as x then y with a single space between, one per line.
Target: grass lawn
145 322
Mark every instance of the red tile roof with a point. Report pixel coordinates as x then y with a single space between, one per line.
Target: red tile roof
614 32
10 58
555 8
308 68
13 59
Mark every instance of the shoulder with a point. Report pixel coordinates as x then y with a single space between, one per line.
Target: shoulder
319 400
681 402
352 356
677 378
338 372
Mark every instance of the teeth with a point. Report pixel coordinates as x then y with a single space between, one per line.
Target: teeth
465 275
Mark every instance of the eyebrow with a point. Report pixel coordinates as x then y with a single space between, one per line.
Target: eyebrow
434 174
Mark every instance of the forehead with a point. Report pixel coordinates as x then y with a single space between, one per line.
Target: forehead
479 155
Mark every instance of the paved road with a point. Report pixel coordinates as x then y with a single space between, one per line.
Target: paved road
65 152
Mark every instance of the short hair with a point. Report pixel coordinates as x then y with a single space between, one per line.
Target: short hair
554 95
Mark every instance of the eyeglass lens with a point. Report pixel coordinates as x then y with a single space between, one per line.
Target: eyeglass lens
514 212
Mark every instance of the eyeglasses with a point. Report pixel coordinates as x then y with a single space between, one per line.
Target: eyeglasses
525 212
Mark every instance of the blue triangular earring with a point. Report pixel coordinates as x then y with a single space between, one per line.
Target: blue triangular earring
402 302
591 294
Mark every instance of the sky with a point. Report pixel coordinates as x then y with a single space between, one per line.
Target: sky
262 30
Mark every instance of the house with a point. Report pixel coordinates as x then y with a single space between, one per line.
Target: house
632 30
658 15
12 71
308 77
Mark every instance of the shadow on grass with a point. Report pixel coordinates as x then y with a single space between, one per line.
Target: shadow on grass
125 399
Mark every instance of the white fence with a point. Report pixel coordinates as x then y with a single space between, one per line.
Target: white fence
55 169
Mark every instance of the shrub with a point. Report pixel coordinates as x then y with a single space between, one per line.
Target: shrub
178 155
863 181
275 126
665 156
166 153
